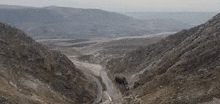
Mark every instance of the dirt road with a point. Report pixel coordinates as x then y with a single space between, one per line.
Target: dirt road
114 96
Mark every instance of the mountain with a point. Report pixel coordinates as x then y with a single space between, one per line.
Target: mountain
180 69
14 7
192 18
63 22
30 73
168 24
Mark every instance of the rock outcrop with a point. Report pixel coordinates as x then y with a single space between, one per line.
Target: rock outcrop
180 69
32 74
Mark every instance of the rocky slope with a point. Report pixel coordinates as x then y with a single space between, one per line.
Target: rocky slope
32 74
180 69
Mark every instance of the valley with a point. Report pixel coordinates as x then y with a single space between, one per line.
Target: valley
63 55
94 69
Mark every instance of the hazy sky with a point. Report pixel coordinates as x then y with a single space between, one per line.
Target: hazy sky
126 5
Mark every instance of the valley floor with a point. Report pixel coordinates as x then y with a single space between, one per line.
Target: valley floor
108 96
101 50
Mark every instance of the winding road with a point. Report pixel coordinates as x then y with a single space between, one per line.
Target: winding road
115 95
92 70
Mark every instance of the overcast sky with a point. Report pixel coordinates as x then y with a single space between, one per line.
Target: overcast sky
126 5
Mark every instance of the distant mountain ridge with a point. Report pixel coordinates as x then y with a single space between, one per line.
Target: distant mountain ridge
63 22
14 7
192 18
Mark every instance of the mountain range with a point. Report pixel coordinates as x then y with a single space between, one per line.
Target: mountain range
63 22
182 68
191 18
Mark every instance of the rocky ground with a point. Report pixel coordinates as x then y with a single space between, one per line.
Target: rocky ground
92 58
30 73
99 51
180 69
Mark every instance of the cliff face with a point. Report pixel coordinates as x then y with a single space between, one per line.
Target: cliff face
30 73
180 69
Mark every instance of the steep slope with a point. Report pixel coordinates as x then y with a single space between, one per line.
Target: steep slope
180 69
32 74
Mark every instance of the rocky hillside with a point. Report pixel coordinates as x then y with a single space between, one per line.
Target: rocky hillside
32 74
180 69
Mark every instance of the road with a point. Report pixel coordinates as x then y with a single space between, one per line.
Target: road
146 36
112 94
110 39
91 70
99 88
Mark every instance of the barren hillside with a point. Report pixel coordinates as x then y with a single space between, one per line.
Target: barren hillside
180 69
32 74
